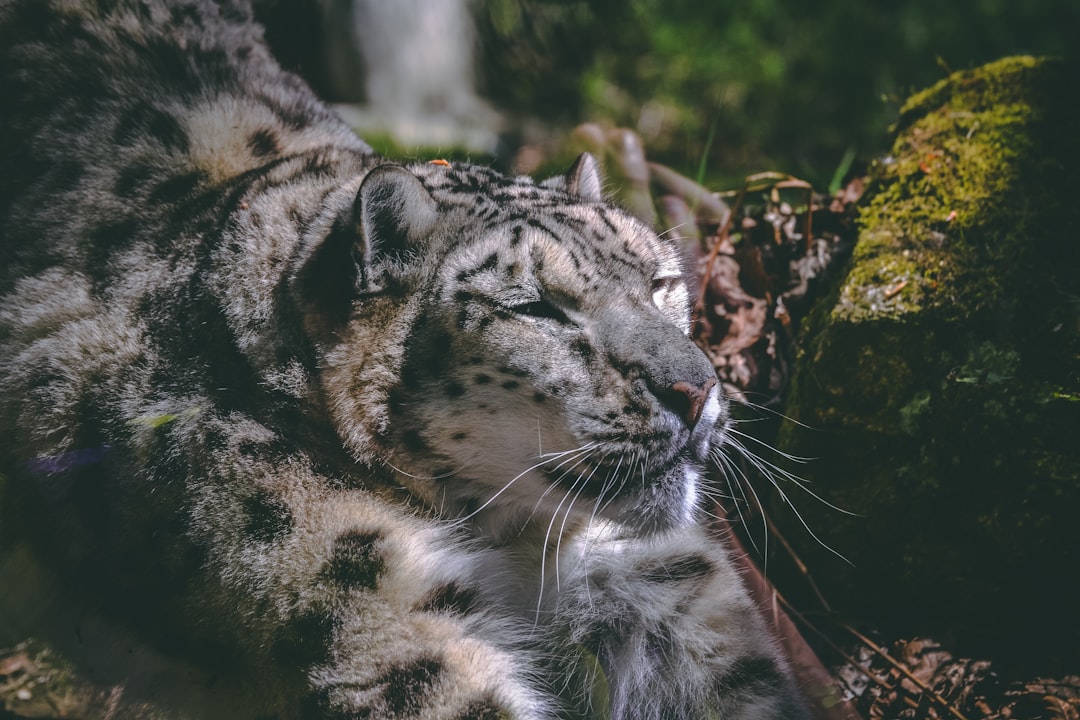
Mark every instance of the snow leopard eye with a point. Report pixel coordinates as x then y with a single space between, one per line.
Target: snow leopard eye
541 309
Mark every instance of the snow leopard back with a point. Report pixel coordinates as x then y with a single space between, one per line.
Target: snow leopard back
378 440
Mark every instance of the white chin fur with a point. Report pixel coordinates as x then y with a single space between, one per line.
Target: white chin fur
689 508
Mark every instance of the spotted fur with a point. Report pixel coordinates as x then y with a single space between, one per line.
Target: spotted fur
385 441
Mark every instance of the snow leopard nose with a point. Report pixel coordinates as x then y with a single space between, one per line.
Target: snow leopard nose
688 399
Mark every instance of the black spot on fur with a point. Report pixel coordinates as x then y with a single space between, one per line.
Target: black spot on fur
483 710
177 187
131 178
105 241
511 384
459 436
263 143
167 130
410 376
452 598
413 441
482 379
489 263
318 165
607 221
63 176
152 123
306 640
537 224
753 674
355 561
539 397
293 113
268 518
406 685
438 356
582 347
454 389
183 72
201 210
691 567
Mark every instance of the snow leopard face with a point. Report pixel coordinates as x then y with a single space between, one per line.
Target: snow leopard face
547 368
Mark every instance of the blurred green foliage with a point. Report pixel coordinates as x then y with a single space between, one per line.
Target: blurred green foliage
782 84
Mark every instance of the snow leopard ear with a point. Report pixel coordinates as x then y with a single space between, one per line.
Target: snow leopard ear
582 180
390 213
395 212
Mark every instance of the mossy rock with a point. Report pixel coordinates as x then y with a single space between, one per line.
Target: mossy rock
940 383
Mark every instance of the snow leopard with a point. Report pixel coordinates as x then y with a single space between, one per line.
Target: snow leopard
372 439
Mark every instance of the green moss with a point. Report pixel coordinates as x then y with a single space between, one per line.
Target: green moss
950 180
940 378
912 413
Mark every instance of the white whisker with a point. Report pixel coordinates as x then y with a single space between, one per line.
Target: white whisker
562 532
548 457
673 228
421 477
733 475
586 450
609 484
543 552
787 456
774 474
774 413
592 515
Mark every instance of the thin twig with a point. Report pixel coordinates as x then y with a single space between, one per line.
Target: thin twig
832 644
809 242
852 662
721 235
798 563
928 691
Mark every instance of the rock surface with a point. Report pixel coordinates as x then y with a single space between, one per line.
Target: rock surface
940 384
